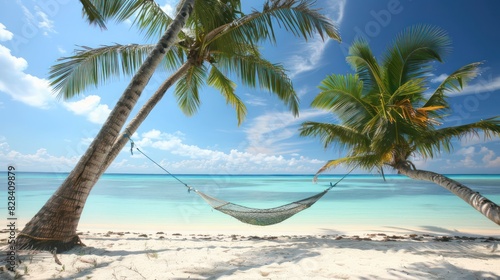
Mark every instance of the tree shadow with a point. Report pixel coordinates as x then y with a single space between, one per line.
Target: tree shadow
435 270
273 254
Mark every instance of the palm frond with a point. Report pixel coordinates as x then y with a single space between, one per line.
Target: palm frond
440 139
411 90
402 103
91 13
255 71
91 67
453 83
188 88
366 66
221 13
226 87
147 15
342 136
113 9
412 52
296 16
383 135
367 162
149 18
342 95
300 18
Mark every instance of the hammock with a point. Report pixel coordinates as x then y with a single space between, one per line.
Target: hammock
261 217
253 216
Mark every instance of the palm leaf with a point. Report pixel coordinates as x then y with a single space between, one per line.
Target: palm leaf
188 88
92 67
147 15
221 13
453 83
367 68
366 161
149 18
342 136
296 16
412 52
255 71
92 14
411 90
299 18
440 139
226 87
342 95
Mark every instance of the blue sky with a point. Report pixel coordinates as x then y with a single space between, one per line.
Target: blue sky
43 133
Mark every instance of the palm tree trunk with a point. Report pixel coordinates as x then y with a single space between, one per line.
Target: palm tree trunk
487 207
54 226
143 113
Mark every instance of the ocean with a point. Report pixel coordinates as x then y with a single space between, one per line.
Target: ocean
157 202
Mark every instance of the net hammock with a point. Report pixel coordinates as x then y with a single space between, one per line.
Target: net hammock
248 215
261 217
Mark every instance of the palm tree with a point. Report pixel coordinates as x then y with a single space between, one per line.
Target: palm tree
223 38
54 226
386 115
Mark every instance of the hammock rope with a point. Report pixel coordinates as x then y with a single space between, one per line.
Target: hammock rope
248 215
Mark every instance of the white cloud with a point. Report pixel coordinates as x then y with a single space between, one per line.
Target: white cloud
36 92
152 134
21 86
477 139
469 151
255 100
38 19
468 154
83 106
482 86
90 107
490 159
478 86
267 133
44 22
194 159
308 58
41 160
439 79
5 35
472 156
168 9
336 10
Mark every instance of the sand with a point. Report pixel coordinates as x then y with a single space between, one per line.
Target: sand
189 255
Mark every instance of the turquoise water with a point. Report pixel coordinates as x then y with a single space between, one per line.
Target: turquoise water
160 202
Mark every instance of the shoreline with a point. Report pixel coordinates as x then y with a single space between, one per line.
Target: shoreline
283 229
237 227
295 232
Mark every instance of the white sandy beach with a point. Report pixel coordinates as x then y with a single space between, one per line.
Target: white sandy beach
190 255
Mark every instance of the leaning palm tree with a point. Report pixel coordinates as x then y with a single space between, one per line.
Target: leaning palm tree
386 114
213 43
54 226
